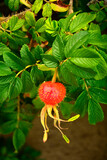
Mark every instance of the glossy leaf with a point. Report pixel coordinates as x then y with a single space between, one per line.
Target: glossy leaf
81 21
3 48
30 18
4 88
4 69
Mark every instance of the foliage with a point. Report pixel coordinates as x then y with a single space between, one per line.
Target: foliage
32 48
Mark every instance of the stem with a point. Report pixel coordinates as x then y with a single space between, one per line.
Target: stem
87 89
26 3
70 7
54 76
18 111
5 29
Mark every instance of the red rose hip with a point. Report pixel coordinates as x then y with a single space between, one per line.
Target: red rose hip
52 93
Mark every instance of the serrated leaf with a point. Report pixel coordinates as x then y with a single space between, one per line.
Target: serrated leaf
59 8
15 88
81 21
47 11
80 71
26 82
4 69
95 112
7 79
13 61
85 57
81 104
37 52
75 42
26 55
8 127
37 75
49 61
18 139
37 6
13 4
98 94
67 76
58 48
15 23
4 88
3 48
40 25
30 18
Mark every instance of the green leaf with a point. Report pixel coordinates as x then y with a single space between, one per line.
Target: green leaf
81 104
101 15
30 18
67 76
7 79
3 48
13 4
15 23
81 21
66 109
37 75
38 104
4 69
95 112
37 6
98 94
13 61
25 126
58 48
80 71
94 7
26 82
39 26
26 55
18 139
37 52
4 88
8 127
15 88
85 57
47 11
75 42
49 61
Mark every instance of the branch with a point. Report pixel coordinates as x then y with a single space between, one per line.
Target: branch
70 7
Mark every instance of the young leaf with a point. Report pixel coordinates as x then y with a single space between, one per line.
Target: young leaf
26 55
99 94
26 82
47 11
15 23
4 69
3 48
18 139
75 42
8 127
80 71
81 21
81 104
15 88
85 57
95 112
49 61
13 61
13 4
37 6
59 8
30 18
58 48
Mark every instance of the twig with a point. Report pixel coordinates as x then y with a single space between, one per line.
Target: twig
86 88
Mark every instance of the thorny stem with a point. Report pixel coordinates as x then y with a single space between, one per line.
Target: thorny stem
54 76
18 111
70 7
86 88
